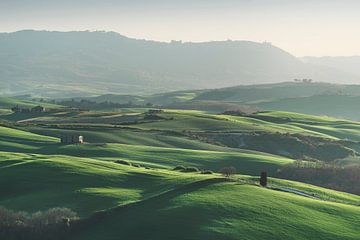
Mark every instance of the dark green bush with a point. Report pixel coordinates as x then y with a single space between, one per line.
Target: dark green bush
179 168
191 169
136 165
207 172
51 224
123 162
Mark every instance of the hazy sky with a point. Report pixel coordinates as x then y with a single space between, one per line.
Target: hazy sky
302 27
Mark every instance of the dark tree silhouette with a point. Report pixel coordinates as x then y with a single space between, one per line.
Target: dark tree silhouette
228 171
263 179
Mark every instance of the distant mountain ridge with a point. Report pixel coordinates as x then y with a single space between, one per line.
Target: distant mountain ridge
93 63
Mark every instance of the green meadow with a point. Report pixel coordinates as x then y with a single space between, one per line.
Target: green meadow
143 197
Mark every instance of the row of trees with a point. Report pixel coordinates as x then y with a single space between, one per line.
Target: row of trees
51 224
88 104
323 174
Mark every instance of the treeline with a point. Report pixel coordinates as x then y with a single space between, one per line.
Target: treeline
52 224
331 176
88 104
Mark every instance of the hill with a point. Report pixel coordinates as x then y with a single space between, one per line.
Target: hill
131 190
7 103
226 211
87 63
315 98
278 91
205 205
340 106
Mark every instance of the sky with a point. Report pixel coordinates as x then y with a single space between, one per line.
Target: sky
301 27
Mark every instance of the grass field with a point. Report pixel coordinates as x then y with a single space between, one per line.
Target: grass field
228 211
247 162
160 201
8 103
152 201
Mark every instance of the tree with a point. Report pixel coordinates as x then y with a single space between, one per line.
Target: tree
228 171
263 179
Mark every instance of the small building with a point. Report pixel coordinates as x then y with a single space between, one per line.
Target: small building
38 109
73 139
16 109
155 111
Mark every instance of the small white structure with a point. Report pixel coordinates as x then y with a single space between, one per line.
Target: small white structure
74 139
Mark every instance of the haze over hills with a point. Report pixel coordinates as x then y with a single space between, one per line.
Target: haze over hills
92 63
349 64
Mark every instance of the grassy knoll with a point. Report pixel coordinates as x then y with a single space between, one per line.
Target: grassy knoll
37 182
6 102
247 162
336 105
131 137
196 121
228 211
164 204
328 126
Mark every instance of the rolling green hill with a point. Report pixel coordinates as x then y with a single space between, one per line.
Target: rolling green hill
204 205
315 98
281 133
247 162
226 211
340 106
152 201
7 103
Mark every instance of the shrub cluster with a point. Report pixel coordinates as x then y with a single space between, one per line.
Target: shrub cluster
191 169
123 162
326 175
228 171
136 165
179 168
51 224
186 169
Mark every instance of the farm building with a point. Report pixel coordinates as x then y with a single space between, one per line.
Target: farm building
73 139
155 111
38 109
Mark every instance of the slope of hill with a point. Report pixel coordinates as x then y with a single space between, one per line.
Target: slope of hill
340 106
206 205
142 198
226 211
82 63
278 91
280 133
7 103
214 158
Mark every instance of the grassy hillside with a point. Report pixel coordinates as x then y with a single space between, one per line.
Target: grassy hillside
292 135
341 106
247 162
163 200
36 182
8 103
227 211
265 92
152 201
